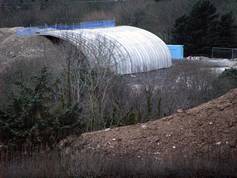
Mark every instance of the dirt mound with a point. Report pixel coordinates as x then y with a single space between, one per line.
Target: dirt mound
14 48
32 51
208 131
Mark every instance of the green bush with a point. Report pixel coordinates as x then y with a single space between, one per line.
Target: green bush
226 81
32 117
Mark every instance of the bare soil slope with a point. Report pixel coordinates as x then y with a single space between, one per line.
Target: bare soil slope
14 48
32 51
208 131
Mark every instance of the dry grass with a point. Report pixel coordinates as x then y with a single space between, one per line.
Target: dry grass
35 164
50 164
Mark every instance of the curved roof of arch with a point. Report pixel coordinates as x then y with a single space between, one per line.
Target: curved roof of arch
126 49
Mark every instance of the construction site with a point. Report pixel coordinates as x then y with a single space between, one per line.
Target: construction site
116 95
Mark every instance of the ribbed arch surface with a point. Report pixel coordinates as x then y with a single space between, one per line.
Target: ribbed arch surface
125 49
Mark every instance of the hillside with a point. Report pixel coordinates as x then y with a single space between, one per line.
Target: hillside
207 133
13 48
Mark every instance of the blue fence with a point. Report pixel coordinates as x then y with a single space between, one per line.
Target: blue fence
29 31
97 24
177 51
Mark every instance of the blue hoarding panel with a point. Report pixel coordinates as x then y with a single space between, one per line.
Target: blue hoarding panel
98 24
177 51
29 31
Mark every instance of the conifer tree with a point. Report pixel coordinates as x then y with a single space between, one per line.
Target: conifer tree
198 31
226 31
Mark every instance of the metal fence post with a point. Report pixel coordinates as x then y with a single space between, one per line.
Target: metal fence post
212 52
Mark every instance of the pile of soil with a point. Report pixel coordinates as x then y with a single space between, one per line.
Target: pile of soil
35 51
208 131
14 48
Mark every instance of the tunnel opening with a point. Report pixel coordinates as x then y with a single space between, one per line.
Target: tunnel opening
53 39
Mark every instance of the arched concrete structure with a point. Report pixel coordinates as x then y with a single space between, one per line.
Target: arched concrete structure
130 49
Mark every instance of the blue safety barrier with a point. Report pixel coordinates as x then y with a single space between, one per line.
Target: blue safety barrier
29 31
177 51
98 24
